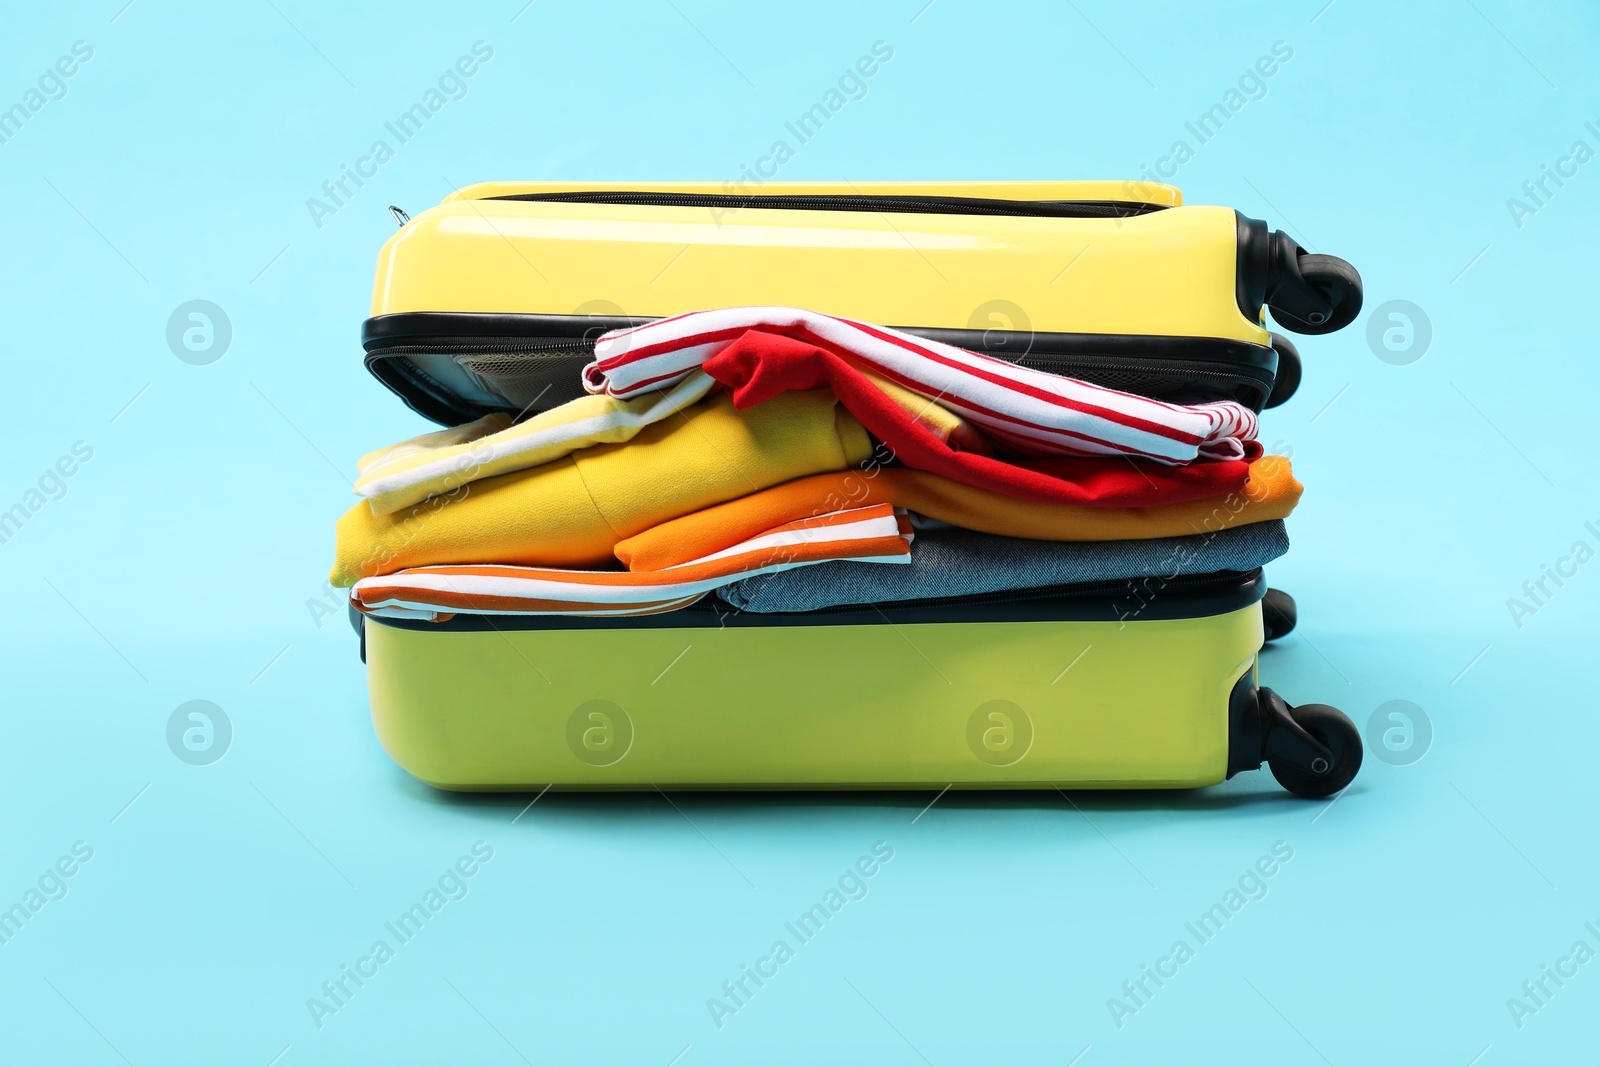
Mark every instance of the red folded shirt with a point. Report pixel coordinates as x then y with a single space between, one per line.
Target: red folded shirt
759 365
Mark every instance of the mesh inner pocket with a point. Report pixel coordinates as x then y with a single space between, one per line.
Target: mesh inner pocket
529 380
1141 382
1174 388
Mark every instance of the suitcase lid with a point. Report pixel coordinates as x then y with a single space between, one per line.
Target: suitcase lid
489 302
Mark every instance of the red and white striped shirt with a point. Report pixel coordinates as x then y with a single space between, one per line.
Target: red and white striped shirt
876 533
1028 412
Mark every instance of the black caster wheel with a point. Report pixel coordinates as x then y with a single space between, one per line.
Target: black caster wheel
1278 614
1288 377
1340 284
1313 750
1324 767
1325 297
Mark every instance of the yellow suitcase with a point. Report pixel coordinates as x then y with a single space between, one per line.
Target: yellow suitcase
491 301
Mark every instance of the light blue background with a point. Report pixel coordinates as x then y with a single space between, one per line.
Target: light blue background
180 563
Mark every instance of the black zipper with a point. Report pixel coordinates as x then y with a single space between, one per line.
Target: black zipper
449 346
895 203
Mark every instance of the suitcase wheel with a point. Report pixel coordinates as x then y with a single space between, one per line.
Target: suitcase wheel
1313 750
1315 294
1288 377
1278 614
1316 753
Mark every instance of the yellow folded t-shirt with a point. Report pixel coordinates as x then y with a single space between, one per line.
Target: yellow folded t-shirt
571 511
396 477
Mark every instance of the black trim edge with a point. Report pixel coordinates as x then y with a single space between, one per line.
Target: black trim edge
420 393
1245 742
402 328
1253 274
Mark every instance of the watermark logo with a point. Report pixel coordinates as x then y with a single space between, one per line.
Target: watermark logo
608 309
199 733
999 733
1538 592
452 885
1252 886
338 191
1399 332
199 332
1537 993
1251 85
1538 192
51 886
852 885
599 732
52 485
51 86
804 127
1007 329
1399 733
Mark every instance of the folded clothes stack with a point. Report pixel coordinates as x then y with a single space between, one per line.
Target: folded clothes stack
786 461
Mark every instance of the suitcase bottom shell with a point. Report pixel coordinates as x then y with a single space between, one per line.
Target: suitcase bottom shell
1071 689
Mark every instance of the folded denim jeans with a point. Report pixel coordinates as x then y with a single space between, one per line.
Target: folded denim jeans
955 562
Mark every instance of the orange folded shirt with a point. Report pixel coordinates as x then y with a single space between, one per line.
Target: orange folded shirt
1271 493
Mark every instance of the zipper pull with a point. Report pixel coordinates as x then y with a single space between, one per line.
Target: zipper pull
400 217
